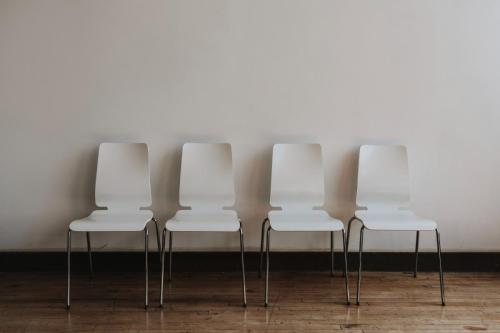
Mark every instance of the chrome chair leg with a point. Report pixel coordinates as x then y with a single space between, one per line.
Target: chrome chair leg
157 234
262 245
242 250
162 264
354 218
346 278
441 278
416 255
68 304
360 263
146 238
349 231
89 250
170 240
332 255
266 296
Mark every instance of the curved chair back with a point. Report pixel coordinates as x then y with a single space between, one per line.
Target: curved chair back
206 176
123 180
383 177
297 178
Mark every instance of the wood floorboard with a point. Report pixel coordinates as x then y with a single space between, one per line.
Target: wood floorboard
211 302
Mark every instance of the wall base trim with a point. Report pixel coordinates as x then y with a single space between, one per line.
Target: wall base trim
229 261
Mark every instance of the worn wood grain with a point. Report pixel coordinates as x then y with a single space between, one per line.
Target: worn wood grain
211 302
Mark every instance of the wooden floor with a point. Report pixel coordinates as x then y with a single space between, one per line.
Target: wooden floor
211 302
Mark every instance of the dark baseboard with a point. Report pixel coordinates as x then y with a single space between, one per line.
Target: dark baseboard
230 261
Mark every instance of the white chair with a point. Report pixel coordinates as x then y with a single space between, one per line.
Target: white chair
207 187
383 189
297 187
123 187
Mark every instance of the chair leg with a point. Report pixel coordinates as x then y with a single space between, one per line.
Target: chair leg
89 250
162 258
346 278
146 239
266 296
354 218
262 238
157 235
441 278
170 240
68 303
360 263
242 250
416 255
332 255
349 231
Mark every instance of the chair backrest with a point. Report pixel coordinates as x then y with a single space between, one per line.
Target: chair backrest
297 177
206 176
383 177
123 180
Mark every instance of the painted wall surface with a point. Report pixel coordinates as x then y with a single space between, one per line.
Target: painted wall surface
423 73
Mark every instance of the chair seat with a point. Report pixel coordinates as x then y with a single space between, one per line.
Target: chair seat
313 220
397 220
189 220
104 220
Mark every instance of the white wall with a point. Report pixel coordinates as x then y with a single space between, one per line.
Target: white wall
424 73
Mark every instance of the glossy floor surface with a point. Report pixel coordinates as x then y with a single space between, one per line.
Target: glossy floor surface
211 302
